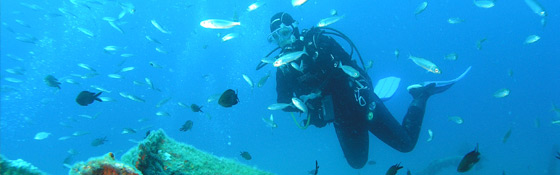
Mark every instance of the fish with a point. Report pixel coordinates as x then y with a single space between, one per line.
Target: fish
187 126
248 80
536 7
268 60
421 8
469 160
100 88
115 76
26 38
13 80
128 131
349 70
218 24
160 50
369 65
115 26
162 102
452 56
228 98
51 81
455 20
85 98
87 67
558 155
328 21
106 99
397 53
299 104
278 106
111 48
155 65
159 27
245 155
41 135
408 172
99 141
479 43
426 64
263 79
64 138
431 135
393 169
152 39
22 23
506 136
287 58
296 3
126 55
196 108
502 93
270 122
484 3
162 113
182 105
86 31
254 6
532 39
456 119
310 96
229 36
555 122
80 133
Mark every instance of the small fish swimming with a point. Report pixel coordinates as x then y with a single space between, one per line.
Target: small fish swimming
254 6
163 113
484 3
228 98
270 122
421 8
393 169
501 93
426 64
349 70
452 56
248 80
479 43
218 24
85 98
128 131
532 39
229 36
469 160
299 104
506 136
246 155
296 3
51 81
278 106
187 126
152 39
85 66
536 7
456 119
558 155
431 135
287 58
262 81
455 20
41 135
328 21
196 108
159 27
99 141
162 102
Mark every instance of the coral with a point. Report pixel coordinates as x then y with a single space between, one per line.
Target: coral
158 154
104 165
17 167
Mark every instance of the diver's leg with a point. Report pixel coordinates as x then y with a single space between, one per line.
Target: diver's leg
350 125
401 137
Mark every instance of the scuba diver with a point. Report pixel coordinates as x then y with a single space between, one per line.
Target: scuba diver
330 87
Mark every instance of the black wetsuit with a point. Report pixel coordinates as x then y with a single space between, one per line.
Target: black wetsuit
321 72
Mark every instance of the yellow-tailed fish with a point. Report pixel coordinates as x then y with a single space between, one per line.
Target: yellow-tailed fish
152 39
13 80
501 93
162 113
296 3
126 55
135 98
254 6
430 135
229 36
115 26
41 135
456 119
278 106
100 88
421 8
428 65
126 69
299 104
455 20
532 39
349 70
87 32
287 58
159 27
85 66
270 121
248 80
218 24
262 81
536 7
162 102
328 21
115 76
484 3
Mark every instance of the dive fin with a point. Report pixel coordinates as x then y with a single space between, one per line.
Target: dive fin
386 87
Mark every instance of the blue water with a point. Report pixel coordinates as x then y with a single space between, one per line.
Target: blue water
192 73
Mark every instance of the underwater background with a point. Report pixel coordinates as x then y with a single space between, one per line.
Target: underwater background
196 64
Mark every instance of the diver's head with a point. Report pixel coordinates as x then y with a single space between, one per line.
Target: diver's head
283 29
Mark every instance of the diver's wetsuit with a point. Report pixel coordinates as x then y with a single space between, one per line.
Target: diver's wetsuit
321 72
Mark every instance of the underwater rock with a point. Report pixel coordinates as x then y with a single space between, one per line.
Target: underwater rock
106 165
158 154
17 167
